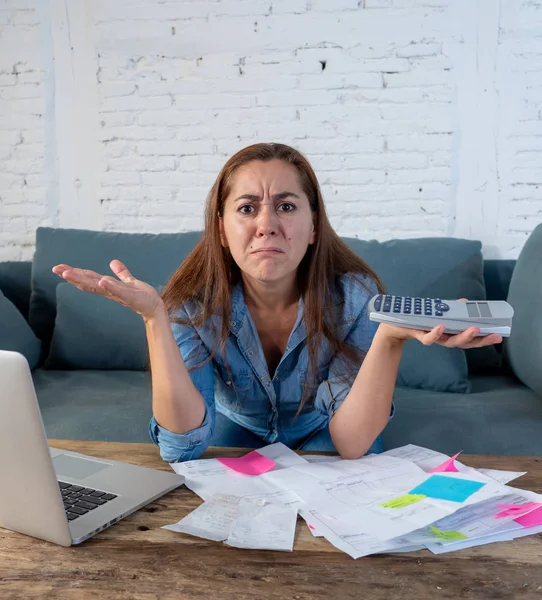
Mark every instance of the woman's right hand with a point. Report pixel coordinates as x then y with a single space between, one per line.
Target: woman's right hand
126 290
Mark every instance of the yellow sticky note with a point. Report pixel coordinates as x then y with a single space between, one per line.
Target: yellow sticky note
403 501
448 535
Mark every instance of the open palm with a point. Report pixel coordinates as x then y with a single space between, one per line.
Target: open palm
124 288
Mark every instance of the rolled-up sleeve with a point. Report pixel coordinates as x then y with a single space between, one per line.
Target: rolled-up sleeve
179 447
331 393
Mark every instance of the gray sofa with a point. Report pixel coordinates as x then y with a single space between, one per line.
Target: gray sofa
90 367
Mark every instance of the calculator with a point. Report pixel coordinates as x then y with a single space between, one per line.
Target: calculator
491 316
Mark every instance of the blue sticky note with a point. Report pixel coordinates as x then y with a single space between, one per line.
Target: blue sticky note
442 487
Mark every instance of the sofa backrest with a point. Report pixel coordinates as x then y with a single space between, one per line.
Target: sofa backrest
15 281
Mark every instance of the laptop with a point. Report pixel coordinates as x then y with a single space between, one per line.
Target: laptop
59 496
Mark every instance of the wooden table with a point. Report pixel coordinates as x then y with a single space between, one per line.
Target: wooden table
137 560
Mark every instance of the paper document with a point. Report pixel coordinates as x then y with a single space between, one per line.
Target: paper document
264 526
211 520
428 459
398 501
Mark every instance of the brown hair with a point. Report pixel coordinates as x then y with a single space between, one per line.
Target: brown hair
209 271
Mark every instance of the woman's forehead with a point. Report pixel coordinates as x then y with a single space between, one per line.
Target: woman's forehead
264 174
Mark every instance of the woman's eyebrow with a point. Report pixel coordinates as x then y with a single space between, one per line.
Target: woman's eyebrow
274 197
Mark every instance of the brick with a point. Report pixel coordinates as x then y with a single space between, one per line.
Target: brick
177 179
134 132
21 91
128 103
25 17
290 7
173 148
173 118
168 11
419 49
121 177
194 101
7 79
21 209
112 89
164 163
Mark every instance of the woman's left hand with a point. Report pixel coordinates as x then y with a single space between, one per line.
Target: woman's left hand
465 339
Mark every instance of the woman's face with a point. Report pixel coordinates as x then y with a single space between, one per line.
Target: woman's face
267 222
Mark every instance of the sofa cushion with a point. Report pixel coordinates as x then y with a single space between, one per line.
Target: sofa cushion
15 283
151 258
433 368
446 268
94 332
95 405
16 334
524 346
499 416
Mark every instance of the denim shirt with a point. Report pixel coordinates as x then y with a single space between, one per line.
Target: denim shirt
247 394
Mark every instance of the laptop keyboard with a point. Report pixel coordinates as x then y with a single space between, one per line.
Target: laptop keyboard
79 500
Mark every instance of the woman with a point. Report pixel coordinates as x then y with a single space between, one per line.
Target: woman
262 334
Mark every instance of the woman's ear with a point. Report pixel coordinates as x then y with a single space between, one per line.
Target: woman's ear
313 233
223 239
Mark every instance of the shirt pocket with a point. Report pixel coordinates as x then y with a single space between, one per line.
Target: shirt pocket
312 388
233 389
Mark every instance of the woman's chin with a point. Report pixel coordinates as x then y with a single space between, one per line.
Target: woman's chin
268 275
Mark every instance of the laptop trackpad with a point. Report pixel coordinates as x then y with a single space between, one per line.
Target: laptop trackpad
77 468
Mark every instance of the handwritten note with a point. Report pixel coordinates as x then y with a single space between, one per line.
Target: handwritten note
448 466
441 487
252 463
403 501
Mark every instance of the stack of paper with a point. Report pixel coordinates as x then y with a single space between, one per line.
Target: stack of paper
401 500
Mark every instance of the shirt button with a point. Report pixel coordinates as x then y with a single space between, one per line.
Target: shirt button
233 323
250 353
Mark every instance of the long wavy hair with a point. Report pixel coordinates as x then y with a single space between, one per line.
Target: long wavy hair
209 272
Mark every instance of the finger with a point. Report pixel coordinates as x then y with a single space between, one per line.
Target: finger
462 299
115 289
82 277
121 271
486 340
460 340
432 336
59 269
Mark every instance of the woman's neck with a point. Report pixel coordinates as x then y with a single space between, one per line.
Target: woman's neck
276 296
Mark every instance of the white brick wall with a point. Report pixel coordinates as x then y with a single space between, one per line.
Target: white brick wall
421 117
23 172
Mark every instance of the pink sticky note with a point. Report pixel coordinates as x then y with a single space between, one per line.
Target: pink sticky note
252 463
311 527
531 519
447 466
516 509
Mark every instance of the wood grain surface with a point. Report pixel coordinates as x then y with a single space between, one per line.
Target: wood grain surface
136 559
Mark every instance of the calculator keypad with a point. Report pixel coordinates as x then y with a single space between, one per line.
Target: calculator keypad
407 305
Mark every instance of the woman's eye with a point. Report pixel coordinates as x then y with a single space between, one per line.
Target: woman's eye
246 209
287 207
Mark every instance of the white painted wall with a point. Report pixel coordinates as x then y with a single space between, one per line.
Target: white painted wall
421 117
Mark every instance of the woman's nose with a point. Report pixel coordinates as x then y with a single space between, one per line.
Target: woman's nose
267 221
